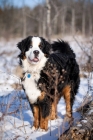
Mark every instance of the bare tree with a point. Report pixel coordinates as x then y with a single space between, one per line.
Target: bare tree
44 24
55 19
39 22
24 20
64 9
73 18
48 19
90 18
83 18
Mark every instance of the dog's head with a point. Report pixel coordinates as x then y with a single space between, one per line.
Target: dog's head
34 49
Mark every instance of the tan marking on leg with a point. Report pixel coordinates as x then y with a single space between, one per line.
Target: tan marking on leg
43 122
53 114
66 92
41 97
36 116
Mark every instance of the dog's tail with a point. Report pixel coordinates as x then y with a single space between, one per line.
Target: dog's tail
62 47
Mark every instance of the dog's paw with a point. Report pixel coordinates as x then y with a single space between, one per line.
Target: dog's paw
42 130
33 128
53 117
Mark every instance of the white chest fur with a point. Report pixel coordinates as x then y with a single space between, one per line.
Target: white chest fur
31 88
29 84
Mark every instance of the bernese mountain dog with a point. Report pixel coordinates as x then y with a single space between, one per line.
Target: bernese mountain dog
50 71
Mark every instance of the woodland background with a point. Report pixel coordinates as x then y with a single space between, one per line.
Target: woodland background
47 19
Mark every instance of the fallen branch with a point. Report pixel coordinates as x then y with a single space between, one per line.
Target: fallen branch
83 130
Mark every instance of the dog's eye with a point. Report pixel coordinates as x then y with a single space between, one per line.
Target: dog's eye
30 46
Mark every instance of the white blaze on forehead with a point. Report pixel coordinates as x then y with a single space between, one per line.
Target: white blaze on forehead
36 41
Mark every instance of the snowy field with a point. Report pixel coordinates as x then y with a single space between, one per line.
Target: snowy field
16 117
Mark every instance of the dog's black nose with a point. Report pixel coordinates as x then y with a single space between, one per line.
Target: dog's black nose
36 52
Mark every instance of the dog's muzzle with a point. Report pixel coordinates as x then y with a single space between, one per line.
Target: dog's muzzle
36 53
36 56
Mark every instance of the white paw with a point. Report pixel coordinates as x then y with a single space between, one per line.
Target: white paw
33 128
41 130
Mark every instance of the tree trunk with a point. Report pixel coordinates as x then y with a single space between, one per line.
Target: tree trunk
90 19
83 19
44 27
55 25
83 23
90 24
73 21
40 23
48 20
24 20
63 19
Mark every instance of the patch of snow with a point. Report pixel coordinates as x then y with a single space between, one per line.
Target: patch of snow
20 125
85 121
91 111
79 125
0 114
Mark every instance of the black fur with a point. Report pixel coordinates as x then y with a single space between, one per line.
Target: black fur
24 46
64 60
46 47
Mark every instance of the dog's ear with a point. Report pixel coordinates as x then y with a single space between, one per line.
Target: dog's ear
24 44
46 47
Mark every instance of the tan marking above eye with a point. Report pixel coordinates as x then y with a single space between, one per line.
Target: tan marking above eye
40 46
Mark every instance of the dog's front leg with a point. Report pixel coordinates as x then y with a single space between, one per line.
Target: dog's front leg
45 108
36 117
67 97
43 122
53 114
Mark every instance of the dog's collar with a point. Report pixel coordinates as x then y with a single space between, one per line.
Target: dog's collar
30 72
28 75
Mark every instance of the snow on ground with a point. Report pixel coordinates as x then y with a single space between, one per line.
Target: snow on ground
18 118
8 62
18 124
